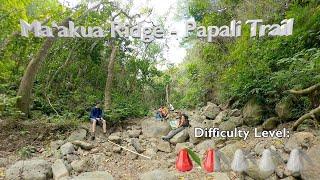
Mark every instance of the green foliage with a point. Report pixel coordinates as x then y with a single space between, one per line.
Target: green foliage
7 107
194 156
26 152
247 67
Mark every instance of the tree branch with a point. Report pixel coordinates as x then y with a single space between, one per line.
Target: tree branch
306 91
308 115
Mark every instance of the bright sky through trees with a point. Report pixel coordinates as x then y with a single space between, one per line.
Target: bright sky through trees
161 8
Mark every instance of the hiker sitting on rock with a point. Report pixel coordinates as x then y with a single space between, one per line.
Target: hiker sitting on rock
183 123
96 118
162 113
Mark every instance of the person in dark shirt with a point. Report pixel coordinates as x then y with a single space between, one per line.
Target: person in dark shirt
96 118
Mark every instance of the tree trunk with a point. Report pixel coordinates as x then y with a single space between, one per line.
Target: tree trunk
167 94
26 84
107 92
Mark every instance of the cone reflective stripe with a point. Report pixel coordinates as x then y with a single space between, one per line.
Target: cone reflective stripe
183 162
266 163
211 162
295 164
239 162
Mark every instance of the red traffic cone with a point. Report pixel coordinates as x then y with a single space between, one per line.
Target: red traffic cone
208 163
183 162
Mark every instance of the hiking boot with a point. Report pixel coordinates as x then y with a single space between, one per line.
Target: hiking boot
164 138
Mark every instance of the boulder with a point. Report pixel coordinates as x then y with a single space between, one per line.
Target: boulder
59 170
284 109
270 123
299 139
116 149
182 136
79 165
197 117
205 145
207 123
136 144
230 149
311 170
72 157
164 146
83 145
151 152
79 134
114 138
54 145
155 129
252 113
227 125
157 174
95 175
191 131
3 162
67 148
221 117
134 133
254 172
235 113
29 170
211 110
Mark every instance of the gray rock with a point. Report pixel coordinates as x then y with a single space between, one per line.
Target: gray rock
235 113
79 134
221 117
207 123
230 149
311 170
260 147
270 123
67 148
59 170
227 125
211 110
182 136
136 144
54 145
116 149
164 146
254 172
95 175
284 109
80 165
36 169
191 131
114 138
299 139
72 157
252 113
205 145
155 129
134 133
158 174
83 145
180 146
151 152
3 162
197 118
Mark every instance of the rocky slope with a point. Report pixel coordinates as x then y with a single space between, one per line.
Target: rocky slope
77 157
